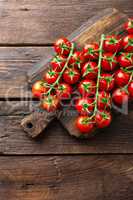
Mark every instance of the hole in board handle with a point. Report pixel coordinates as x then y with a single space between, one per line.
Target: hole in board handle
29 125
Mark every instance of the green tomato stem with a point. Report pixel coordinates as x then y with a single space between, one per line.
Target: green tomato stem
99 73
61 73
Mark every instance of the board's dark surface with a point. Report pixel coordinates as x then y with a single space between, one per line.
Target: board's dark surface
26 29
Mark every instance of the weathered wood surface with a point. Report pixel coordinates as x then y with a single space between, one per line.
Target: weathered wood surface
118 138
41 22
14 64
50 178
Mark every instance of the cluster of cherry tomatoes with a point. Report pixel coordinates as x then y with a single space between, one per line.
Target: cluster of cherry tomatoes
99 84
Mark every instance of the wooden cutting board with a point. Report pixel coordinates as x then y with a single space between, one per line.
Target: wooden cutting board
106 22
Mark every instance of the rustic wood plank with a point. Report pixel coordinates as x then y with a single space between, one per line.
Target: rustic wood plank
14 64
44 21
118 138
50 178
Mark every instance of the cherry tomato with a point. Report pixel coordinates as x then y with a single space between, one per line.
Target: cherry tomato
109 62
64 91
106 82
130 89
90 51
84 106
77 59
112 43
39 88
51 76
87 88
50 103
85 125
128 43
57 63
129 26
103 119
89 70
125 59
71 75
120 96
62 46
104 100
121 78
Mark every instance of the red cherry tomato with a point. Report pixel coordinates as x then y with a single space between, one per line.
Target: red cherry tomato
87 88
125 60
62 46
64 91
130 89
85 125
57 63
128 43
129 26
51 76
103 119
106 82
121 78
112 43
120 96
109 62
89 70
71 75
77 59
50 103
39 88
90 51
84 106
104 100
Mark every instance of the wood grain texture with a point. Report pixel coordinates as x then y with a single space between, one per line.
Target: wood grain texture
118 138
42 22
14 64
50 178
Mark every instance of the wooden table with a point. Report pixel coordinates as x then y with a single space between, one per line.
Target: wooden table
56 166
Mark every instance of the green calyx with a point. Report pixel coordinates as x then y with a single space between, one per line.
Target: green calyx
51 73
86 86
88 70
130 42
113 41
91 51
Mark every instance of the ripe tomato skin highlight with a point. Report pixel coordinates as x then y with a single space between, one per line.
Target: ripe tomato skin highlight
109 62
87 88
106 82
130 89
62 47
57 63
89 70
103 119
38 89
127 43
121 78
125 60
112 43
51 76
71 75
85 125
90 51
120 96
50 103
104 100
129 26
64 91
84 106
77 59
